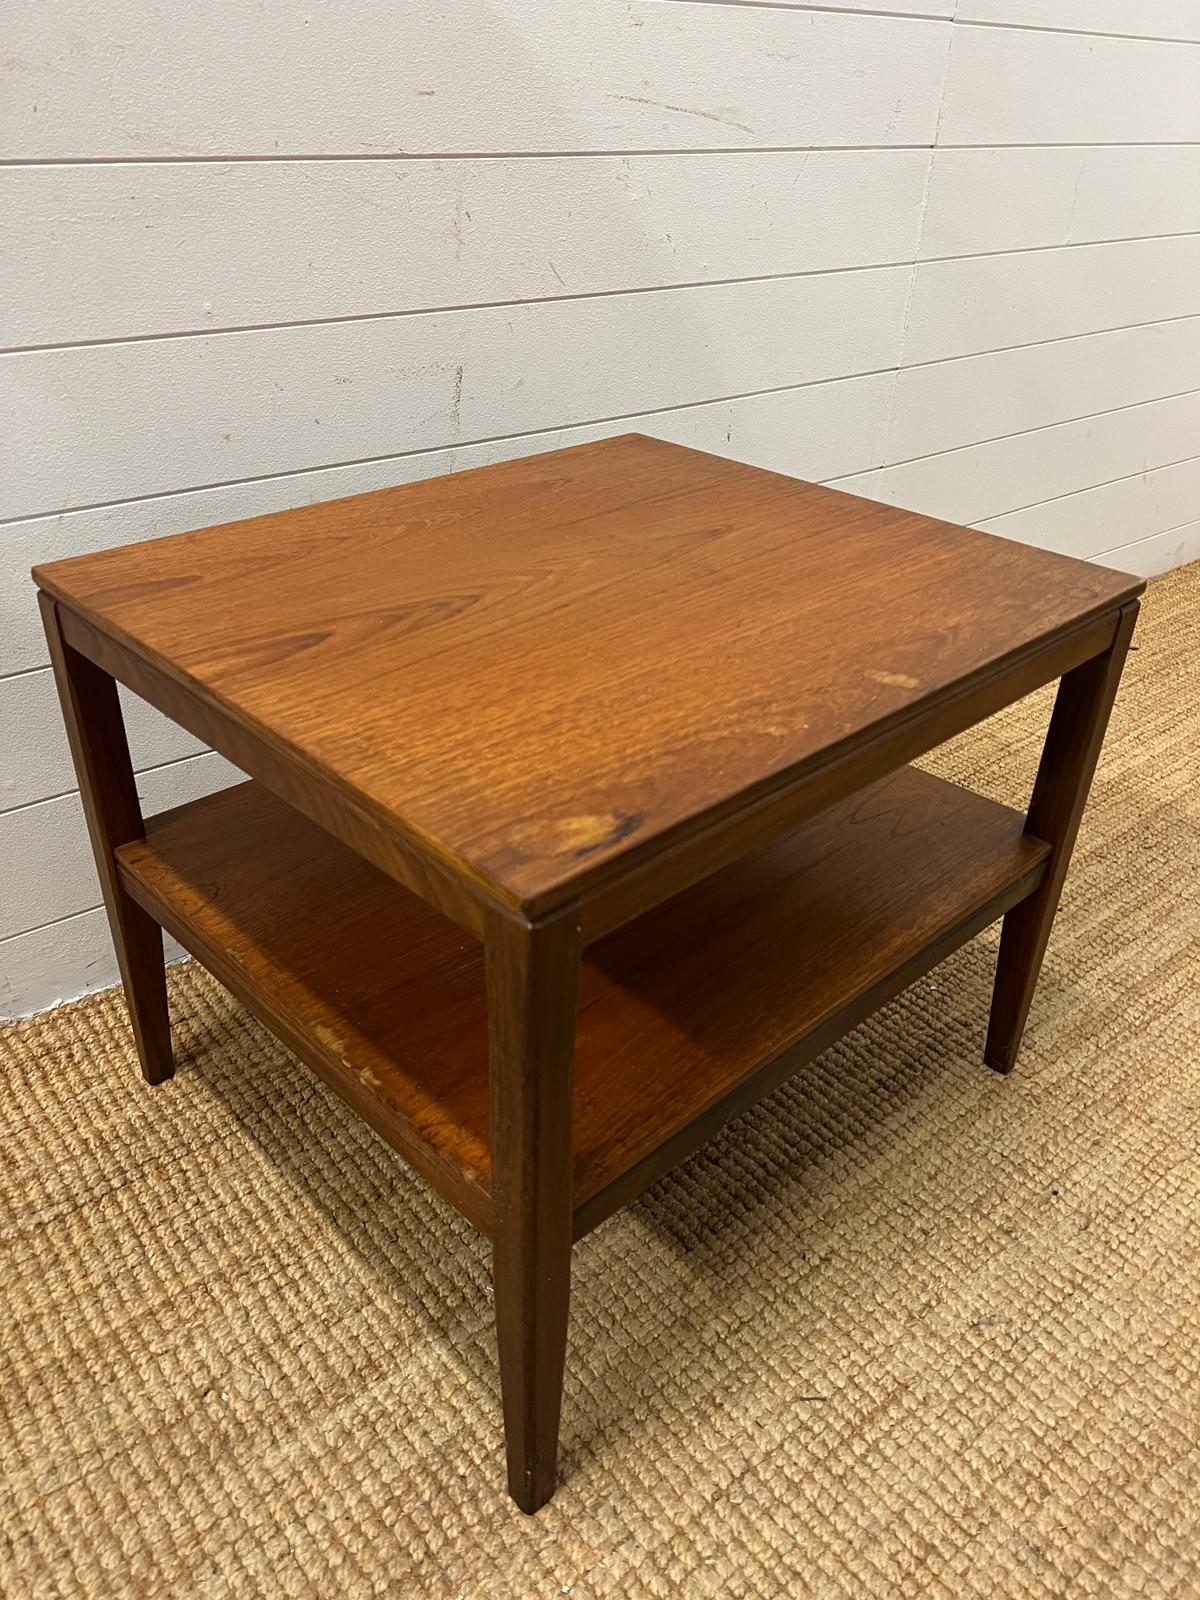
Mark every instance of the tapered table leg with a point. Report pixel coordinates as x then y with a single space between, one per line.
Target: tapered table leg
1081 711
533 996
96 730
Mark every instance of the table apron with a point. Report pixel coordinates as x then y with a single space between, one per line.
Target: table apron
636 885
656 878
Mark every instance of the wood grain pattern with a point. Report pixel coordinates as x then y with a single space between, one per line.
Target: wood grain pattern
318 795
563 700
387 999
92 715
837 773
533 995
1076 733
815 432
535 671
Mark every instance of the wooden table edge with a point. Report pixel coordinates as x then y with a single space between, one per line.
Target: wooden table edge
450 885
624 885
682 855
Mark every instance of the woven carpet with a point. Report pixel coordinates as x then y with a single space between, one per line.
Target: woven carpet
905 1329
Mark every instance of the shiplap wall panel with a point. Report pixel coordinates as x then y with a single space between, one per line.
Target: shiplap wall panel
955 403
1015 199
979 481
994 302
275 400
93 423
1158 553
501 196
1154 19
817 432
37 758
896 8
59 961
53 832
260 242
1023 86
357 78
1109 516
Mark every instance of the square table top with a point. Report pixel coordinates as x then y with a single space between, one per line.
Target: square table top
529 669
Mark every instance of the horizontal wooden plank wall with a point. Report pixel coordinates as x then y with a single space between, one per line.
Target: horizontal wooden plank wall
1149 19
943 252
379 236
236 405
357 78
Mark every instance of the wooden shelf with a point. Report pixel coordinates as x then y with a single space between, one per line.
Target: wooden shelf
686 1015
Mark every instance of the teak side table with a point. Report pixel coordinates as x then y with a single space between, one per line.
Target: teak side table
580 812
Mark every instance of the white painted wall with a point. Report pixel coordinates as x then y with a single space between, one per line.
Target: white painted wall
946 252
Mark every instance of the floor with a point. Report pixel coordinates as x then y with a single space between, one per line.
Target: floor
906 1329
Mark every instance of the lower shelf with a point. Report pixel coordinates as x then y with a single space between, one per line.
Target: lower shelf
686 1015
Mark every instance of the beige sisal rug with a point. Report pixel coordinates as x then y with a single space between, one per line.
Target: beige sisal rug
907 1329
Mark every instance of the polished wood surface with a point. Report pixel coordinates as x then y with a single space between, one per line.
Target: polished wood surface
675 1010
580 815
542 675
1076 733
533 977
100 750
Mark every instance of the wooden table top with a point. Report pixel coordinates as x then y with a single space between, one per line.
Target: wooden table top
530 669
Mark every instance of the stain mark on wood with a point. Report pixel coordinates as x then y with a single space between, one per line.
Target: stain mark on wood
575 836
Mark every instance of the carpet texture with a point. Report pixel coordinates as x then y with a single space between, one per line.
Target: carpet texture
906 1329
